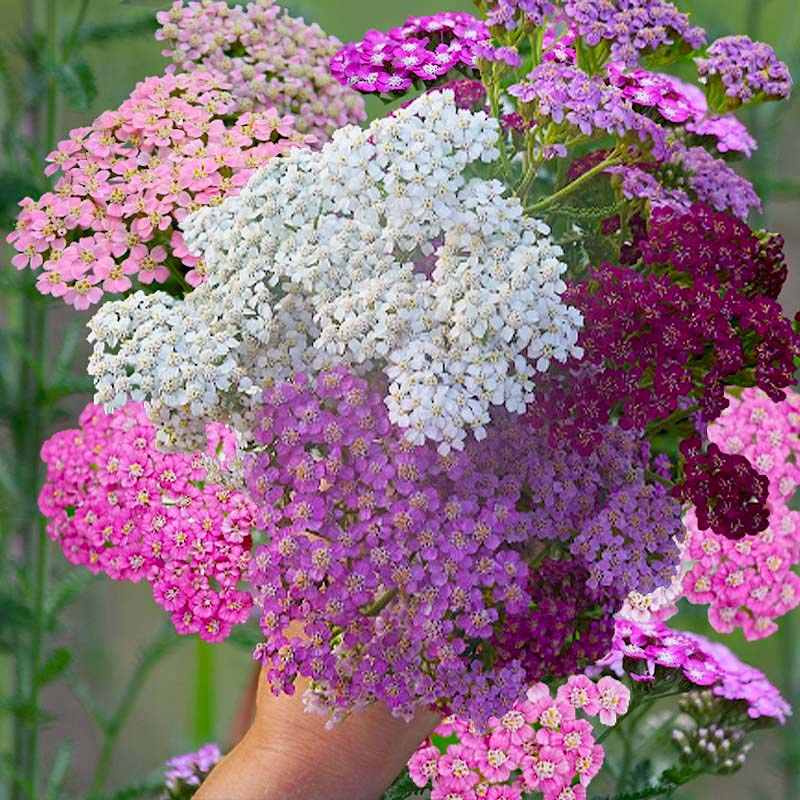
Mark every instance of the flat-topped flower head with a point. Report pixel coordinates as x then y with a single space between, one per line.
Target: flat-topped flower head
650 652
539 745
632 30
512 14
373 542
267 58
423 51
129 179
749 584
321 260
117 505
738 71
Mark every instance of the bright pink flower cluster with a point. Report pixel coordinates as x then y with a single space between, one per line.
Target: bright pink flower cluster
681 104
117 505
750 583
421 51
652 653
539 745
129 179
268 58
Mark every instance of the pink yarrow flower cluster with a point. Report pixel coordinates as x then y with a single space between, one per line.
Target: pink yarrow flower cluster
540 745
268 58
750 583
117 505
129 179
651 653
682 104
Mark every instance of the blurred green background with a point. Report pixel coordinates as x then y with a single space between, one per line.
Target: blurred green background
112 622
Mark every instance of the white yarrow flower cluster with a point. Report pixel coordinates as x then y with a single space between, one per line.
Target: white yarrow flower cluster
391 257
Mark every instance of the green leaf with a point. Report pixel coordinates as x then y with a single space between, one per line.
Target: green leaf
105 32
402 788
58 771
13 106
24 710
76 82
13 187
67 591
13 612
8 484
245 636
54 666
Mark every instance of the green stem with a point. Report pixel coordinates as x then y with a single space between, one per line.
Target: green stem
567 190
790 664
204 727
72 39
381 603
152 655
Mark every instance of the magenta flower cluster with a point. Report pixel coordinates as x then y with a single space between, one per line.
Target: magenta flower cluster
408 570
540 745
116 505
565 95
269 60
728 133
568 625
653 652
634 29
750 583
737 70
421 51
129 179
681 104
701 305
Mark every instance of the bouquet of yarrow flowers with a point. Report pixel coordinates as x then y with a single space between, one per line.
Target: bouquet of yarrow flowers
462 402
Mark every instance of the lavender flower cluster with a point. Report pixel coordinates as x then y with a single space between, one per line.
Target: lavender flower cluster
566 96
512 14
408 570
737 71
186 772
634 28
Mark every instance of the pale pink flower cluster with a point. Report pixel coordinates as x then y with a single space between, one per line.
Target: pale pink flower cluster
540 745
749 583
269 58
129 179
116 505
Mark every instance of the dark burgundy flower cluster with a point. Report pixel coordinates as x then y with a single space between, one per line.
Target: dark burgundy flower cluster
662 343
728 494
568 626
717 248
